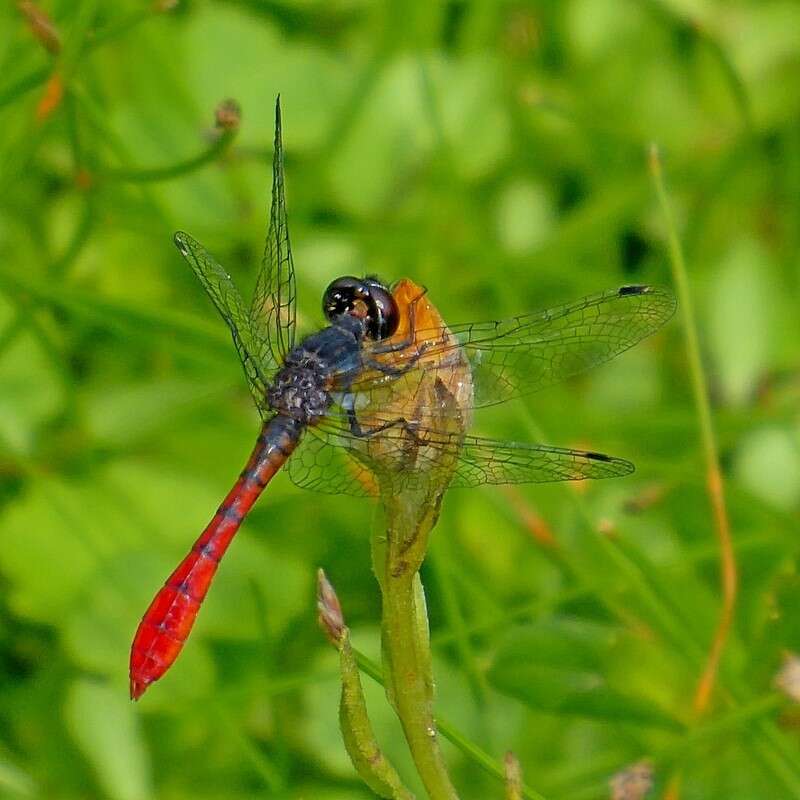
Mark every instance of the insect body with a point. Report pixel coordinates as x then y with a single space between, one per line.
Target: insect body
382 396
298 396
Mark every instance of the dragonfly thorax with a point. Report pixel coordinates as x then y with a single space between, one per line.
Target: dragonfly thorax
298 390
301 386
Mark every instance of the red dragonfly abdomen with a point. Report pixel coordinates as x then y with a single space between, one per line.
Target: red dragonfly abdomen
169 619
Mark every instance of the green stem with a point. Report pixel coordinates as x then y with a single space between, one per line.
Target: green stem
397 557
728 567
686 305
411 692
155 174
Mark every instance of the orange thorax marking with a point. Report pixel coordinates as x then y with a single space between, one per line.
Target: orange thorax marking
435 395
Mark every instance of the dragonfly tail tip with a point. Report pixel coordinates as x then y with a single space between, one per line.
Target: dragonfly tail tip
138 688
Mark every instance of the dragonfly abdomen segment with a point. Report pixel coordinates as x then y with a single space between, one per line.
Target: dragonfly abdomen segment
168 621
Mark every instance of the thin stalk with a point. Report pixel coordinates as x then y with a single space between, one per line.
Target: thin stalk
397 556
705 686
411 694
170 171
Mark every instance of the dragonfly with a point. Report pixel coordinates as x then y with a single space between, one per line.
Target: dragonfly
380 398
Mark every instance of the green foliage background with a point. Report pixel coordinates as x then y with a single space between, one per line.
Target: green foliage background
495 152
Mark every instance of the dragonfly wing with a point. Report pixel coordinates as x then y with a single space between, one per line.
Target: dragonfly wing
488 461
326 462
515 357
223 293
273 310
334 460
528 353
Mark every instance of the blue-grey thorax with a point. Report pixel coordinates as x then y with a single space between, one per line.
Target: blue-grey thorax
300 387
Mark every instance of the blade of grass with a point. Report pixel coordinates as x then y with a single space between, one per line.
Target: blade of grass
705 686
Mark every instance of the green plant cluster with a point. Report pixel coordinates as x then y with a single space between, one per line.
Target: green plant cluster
498 154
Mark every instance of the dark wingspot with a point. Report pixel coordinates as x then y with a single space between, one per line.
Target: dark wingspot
597 456
626 290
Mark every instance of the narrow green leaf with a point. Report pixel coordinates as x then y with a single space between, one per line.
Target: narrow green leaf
359 738
423 633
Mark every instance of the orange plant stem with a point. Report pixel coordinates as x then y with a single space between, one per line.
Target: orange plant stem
707 682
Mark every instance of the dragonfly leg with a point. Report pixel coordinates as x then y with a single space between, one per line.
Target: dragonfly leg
367 433
394 372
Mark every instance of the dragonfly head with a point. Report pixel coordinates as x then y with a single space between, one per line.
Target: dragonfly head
366 299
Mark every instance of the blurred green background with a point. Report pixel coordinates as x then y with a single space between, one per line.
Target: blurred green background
495 152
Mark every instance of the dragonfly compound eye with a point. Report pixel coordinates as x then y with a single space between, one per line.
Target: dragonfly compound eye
346 295
384 316
367 300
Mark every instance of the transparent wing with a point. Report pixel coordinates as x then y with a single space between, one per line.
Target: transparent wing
223 293
489 461
527 353
334 461
515 357
273 310
322 464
